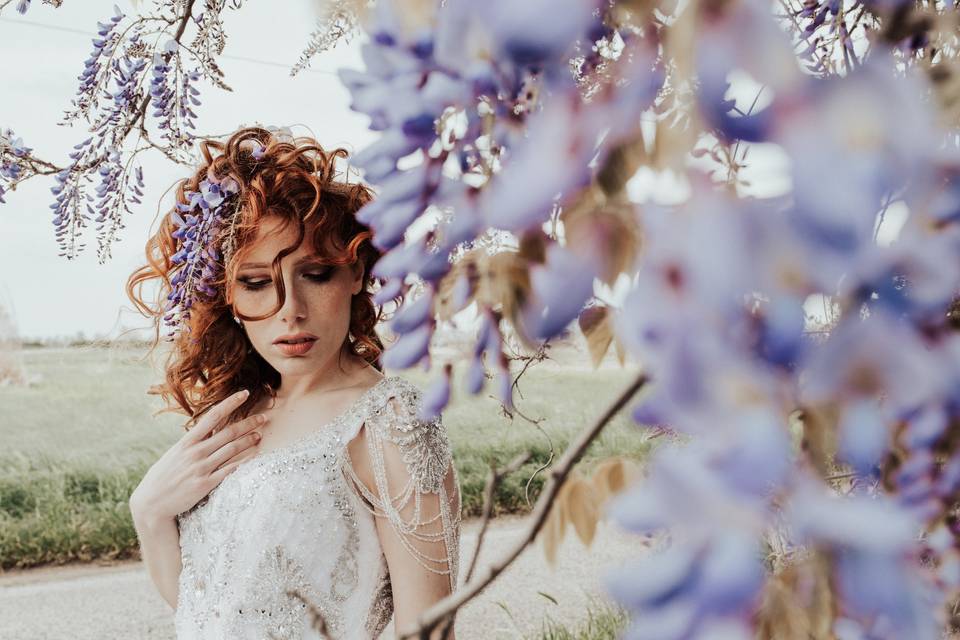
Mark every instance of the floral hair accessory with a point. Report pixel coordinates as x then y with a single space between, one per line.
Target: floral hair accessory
205 213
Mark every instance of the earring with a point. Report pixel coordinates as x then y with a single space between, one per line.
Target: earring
237 320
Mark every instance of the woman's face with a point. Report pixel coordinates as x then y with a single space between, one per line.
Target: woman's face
316 305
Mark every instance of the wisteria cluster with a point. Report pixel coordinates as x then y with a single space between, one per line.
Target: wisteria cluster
199 229
462 110
136 92
12 153
815 489
818 482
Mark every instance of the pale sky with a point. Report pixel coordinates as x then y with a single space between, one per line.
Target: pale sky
51 296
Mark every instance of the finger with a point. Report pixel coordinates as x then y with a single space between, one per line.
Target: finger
218 413
233 448
219 474
232 432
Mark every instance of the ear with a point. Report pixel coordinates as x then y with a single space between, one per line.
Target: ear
357 272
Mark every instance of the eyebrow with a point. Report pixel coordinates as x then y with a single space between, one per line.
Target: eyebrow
263 265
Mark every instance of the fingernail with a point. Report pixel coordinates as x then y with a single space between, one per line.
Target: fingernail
244 394
261 419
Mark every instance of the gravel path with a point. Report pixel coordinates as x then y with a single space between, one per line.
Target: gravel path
105 602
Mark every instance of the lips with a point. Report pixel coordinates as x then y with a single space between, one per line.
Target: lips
297 348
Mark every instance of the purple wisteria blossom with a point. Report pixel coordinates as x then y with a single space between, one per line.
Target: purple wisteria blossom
429 95
199 222
12 154
717 315
137 91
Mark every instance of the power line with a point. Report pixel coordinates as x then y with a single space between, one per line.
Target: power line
53 27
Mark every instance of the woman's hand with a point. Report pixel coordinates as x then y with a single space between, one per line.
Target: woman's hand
198 462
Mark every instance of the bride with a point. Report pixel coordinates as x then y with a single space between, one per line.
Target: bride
310 496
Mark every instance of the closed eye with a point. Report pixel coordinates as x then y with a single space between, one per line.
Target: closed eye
252 284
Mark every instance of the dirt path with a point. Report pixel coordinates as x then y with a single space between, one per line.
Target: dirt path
119 601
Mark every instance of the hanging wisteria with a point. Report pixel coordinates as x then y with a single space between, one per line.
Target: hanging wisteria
136 92
815 490
717 307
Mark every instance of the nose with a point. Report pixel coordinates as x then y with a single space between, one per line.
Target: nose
294 306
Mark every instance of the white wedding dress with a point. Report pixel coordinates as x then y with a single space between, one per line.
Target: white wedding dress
291 532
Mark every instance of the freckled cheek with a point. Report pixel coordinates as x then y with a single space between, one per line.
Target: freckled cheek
329 307
328 315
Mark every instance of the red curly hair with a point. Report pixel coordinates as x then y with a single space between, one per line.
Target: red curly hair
293 180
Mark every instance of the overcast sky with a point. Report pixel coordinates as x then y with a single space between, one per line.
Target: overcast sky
51 296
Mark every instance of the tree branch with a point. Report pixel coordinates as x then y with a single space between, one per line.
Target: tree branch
448 606
40 167
493 480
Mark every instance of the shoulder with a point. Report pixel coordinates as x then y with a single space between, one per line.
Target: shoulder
396 435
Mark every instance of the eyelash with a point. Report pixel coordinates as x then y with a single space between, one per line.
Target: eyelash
251 285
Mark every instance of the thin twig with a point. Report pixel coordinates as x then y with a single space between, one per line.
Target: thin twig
444 608
489 491
494 479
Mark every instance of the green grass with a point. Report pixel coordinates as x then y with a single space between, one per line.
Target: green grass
74 445
604 621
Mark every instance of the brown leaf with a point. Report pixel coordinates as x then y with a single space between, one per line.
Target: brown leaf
621 164
464 274
779 615
820 435
610 235
595 324
533 246
581 508
620 350
609 478
555 526
504 283
613 476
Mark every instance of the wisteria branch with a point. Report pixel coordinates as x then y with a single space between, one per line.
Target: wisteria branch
558 474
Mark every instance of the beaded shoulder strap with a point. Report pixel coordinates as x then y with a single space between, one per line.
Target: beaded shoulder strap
425 510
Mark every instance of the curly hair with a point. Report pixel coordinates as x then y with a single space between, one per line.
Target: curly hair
292 179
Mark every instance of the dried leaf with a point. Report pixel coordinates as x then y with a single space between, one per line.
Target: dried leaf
595 324
533 246
610 234
820 435
554 527
798 602
780 615
504 283
463 275
609 478
620 350
581 508
621 164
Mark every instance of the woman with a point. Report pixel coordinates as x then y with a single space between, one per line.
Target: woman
308 498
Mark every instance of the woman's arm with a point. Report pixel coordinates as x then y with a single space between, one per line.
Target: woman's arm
184 474
160 550
409 462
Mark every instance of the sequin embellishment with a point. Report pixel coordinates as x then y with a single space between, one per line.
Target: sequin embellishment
289 519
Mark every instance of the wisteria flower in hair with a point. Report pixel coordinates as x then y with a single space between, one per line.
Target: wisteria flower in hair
204 214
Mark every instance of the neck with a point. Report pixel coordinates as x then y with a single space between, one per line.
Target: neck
339 371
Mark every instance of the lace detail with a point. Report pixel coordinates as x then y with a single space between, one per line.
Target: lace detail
395 433
380 610
276 613
291 519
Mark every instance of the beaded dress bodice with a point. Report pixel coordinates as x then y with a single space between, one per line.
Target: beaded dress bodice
292 532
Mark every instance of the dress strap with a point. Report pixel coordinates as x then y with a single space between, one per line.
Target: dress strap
415 482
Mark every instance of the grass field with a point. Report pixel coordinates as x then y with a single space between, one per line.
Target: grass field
75 444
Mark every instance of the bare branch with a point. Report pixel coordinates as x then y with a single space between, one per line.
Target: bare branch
448 606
